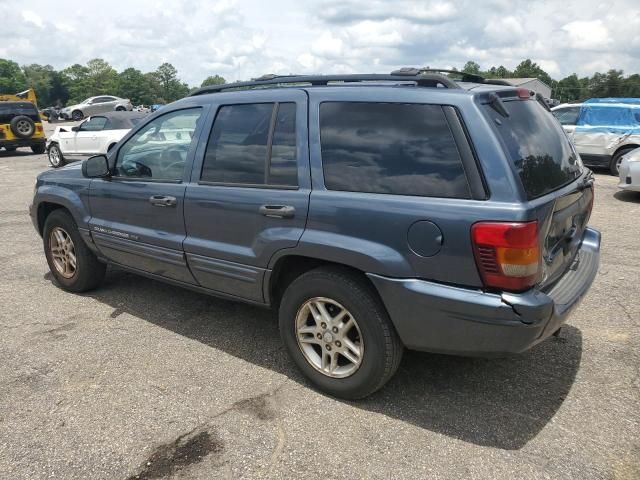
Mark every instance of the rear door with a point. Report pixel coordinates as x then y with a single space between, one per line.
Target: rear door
249 194
137 214
548 168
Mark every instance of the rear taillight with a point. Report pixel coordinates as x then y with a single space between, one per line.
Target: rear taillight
507 254
524 93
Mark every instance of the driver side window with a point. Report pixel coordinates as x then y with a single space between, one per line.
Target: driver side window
159 150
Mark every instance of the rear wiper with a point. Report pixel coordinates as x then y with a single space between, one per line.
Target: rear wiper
586 182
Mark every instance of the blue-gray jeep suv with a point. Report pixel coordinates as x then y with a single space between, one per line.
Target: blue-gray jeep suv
376 212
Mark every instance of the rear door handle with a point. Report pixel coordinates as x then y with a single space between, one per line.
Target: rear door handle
162 201
277 211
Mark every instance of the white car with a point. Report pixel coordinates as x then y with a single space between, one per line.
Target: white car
97 134
630 171
602 129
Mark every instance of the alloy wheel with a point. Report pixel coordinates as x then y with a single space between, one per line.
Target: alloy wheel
54 156
63 252
329 337
24 127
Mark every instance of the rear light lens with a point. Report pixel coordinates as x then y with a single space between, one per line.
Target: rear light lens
524 93
507 254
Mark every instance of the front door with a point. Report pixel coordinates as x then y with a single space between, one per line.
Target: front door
137 214
86 138
249 192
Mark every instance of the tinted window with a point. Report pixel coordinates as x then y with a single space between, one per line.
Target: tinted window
159 149
17 108
567 116
94 124
403 149
537 146
237 149
283 167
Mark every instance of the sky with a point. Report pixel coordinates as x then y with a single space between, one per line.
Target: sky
244 39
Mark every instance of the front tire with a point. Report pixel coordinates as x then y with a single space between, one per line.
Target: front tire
10 149
56 159
74 267
77 115
338 332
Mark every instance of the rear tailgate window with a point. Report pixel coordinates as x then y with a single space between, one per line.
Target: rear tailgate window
537 146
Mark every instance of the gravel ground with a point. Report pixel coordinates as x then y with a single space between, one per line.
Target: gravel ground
142 380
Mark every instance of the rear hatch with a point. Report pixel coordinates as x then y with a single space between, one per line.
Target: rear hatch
556 185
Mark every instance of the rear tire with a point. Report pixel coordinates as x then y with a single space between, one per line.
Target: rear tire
38 149
74 267
121 109
614 167
376 339
10 149
56 159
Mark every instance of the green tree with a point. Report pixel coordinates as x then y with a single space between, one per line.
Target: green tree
471 67
529 69
102 77
632 86
213 80
76 79
12 80
136 86
171 88
40 78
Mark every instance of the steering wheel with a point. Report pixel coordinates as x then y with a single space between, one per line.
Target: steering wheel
172 158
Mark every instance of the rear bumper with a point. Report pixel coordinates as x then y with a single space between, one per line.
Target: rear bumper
440 318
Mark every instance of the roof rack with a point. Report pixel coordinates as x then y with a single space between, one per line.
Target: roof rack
465 77
421 79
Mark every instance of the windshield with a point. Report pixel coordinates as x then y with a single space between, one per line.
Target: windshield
538 147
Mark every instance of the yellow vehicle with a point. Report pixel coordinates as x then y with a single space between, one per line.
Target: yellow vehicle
20 122
28 95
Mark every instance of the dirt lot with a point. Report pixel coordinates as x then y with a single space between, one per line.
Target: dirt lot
141 378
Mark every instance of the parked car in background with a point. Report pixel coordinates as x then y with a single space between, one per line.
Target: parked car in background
97 134
156 106
399 211
630 171
95 105
603 130
21 126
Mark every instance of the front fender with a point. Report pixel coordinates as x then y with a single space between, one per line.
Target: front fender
69 198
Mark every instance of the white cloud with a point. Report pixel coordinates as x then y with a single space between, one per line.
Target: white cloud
244 39
587 35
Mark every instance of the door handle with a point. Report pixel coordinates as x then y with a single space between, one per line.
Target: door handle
162 201
277 211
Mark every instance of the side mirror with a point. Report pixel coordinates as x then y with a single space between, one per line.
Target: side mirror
96 167
75 129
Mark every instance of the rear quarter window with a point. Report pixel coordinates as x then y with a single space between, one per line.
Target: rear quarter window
392 148
537 147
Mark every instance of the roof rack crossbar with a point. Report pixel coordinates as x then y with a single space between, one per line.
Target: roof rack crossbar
421 80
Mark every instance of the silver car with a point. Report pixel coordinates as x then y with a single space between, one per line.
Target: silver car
630 171
95 105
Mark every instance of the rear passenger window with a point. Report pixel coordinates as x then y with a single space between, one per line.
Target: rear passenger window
239 149
393 148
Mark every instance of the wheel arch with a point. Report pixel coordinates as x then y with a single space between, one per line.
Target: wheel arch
627 146
44 210
53 197
288 267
